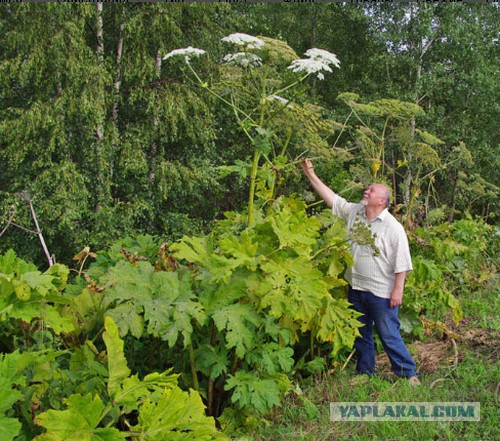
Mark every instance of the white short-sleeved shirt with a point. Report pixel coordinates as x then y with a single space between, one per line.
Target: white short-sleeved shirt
372 273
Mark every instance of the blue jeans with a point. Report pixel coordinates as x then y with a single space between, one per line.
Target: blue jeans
376 311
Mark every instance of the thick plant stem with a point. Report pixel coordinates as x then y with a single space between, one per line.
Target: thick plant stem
311 344
251 195
196 386
210 384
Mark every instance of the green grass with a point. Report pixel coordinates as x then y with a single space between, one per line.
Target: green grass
467 372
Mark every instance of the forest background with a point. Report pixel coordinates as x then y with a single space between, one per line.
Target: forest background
185 249
99 133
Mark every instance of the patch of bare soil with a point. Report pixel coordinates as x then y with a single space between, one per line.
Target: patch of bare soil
437 354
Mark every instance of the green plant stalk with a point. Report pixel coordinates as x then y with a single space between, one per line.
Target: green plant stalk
363 123
343 127
274 189
255 166
348 360
205 86
251 194
412 198
291 85
335 245
193 368
210 385
311 344
382 145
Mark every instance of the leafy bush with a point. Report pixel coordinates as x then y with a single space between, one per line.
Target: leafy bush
79 393
451 261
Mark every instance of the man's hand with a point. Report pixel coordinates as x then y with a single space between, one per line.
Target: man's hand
326 193
397 292
307 167
396 298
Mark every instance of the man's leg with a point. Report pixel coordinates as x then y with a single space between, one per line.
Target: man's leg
364 345
387 326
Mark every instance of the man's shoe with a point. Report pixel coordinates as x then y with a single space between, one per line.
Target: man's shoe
414 381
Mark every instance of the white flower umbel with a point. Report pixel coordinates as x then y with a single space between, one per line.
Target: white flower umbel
243 59
187 53
310 67
319 61
323 56
244 40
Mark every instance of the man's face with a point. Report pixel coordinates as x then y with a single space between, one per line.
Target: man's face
375 195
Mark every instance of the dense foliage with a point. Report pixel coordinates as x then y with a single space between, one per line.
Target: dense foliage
236 318
215 287
98 132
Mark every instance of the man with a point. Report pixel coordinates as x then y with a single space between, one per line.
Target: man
376 280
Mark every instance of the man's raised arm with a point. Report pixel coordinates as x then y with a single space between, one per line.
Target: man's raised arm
319 187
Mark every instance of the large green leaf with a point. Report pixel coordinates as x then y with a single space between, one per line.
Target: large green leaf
199 250
79 422
27 294
212 361
293 288
161 300
293 227
338 324
176 416
127 319
117 363
271 358
239 322
9 428
251 391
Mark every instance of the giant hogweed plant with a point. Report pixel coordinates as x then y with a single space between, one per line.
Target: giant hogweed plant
268 277
392 149
260 95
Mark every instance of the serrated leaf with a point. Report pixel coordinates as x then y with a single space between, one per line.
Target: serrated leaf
39 282
199 250
128 282
22 290
127 319
212 361
294 228
117 363
336 263
167 302
78 422
338 324
238 322
54 320
192 249
8 396
295 289
59 274
252 391
9 428
271 358
178 416
213 297
243 248
262 141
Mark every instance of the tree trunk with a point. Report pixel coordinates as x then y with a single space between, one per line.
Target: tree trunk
116 89
153 149
99 129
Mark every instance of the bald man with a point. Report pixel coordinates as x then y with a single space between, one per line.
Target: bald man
376 281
